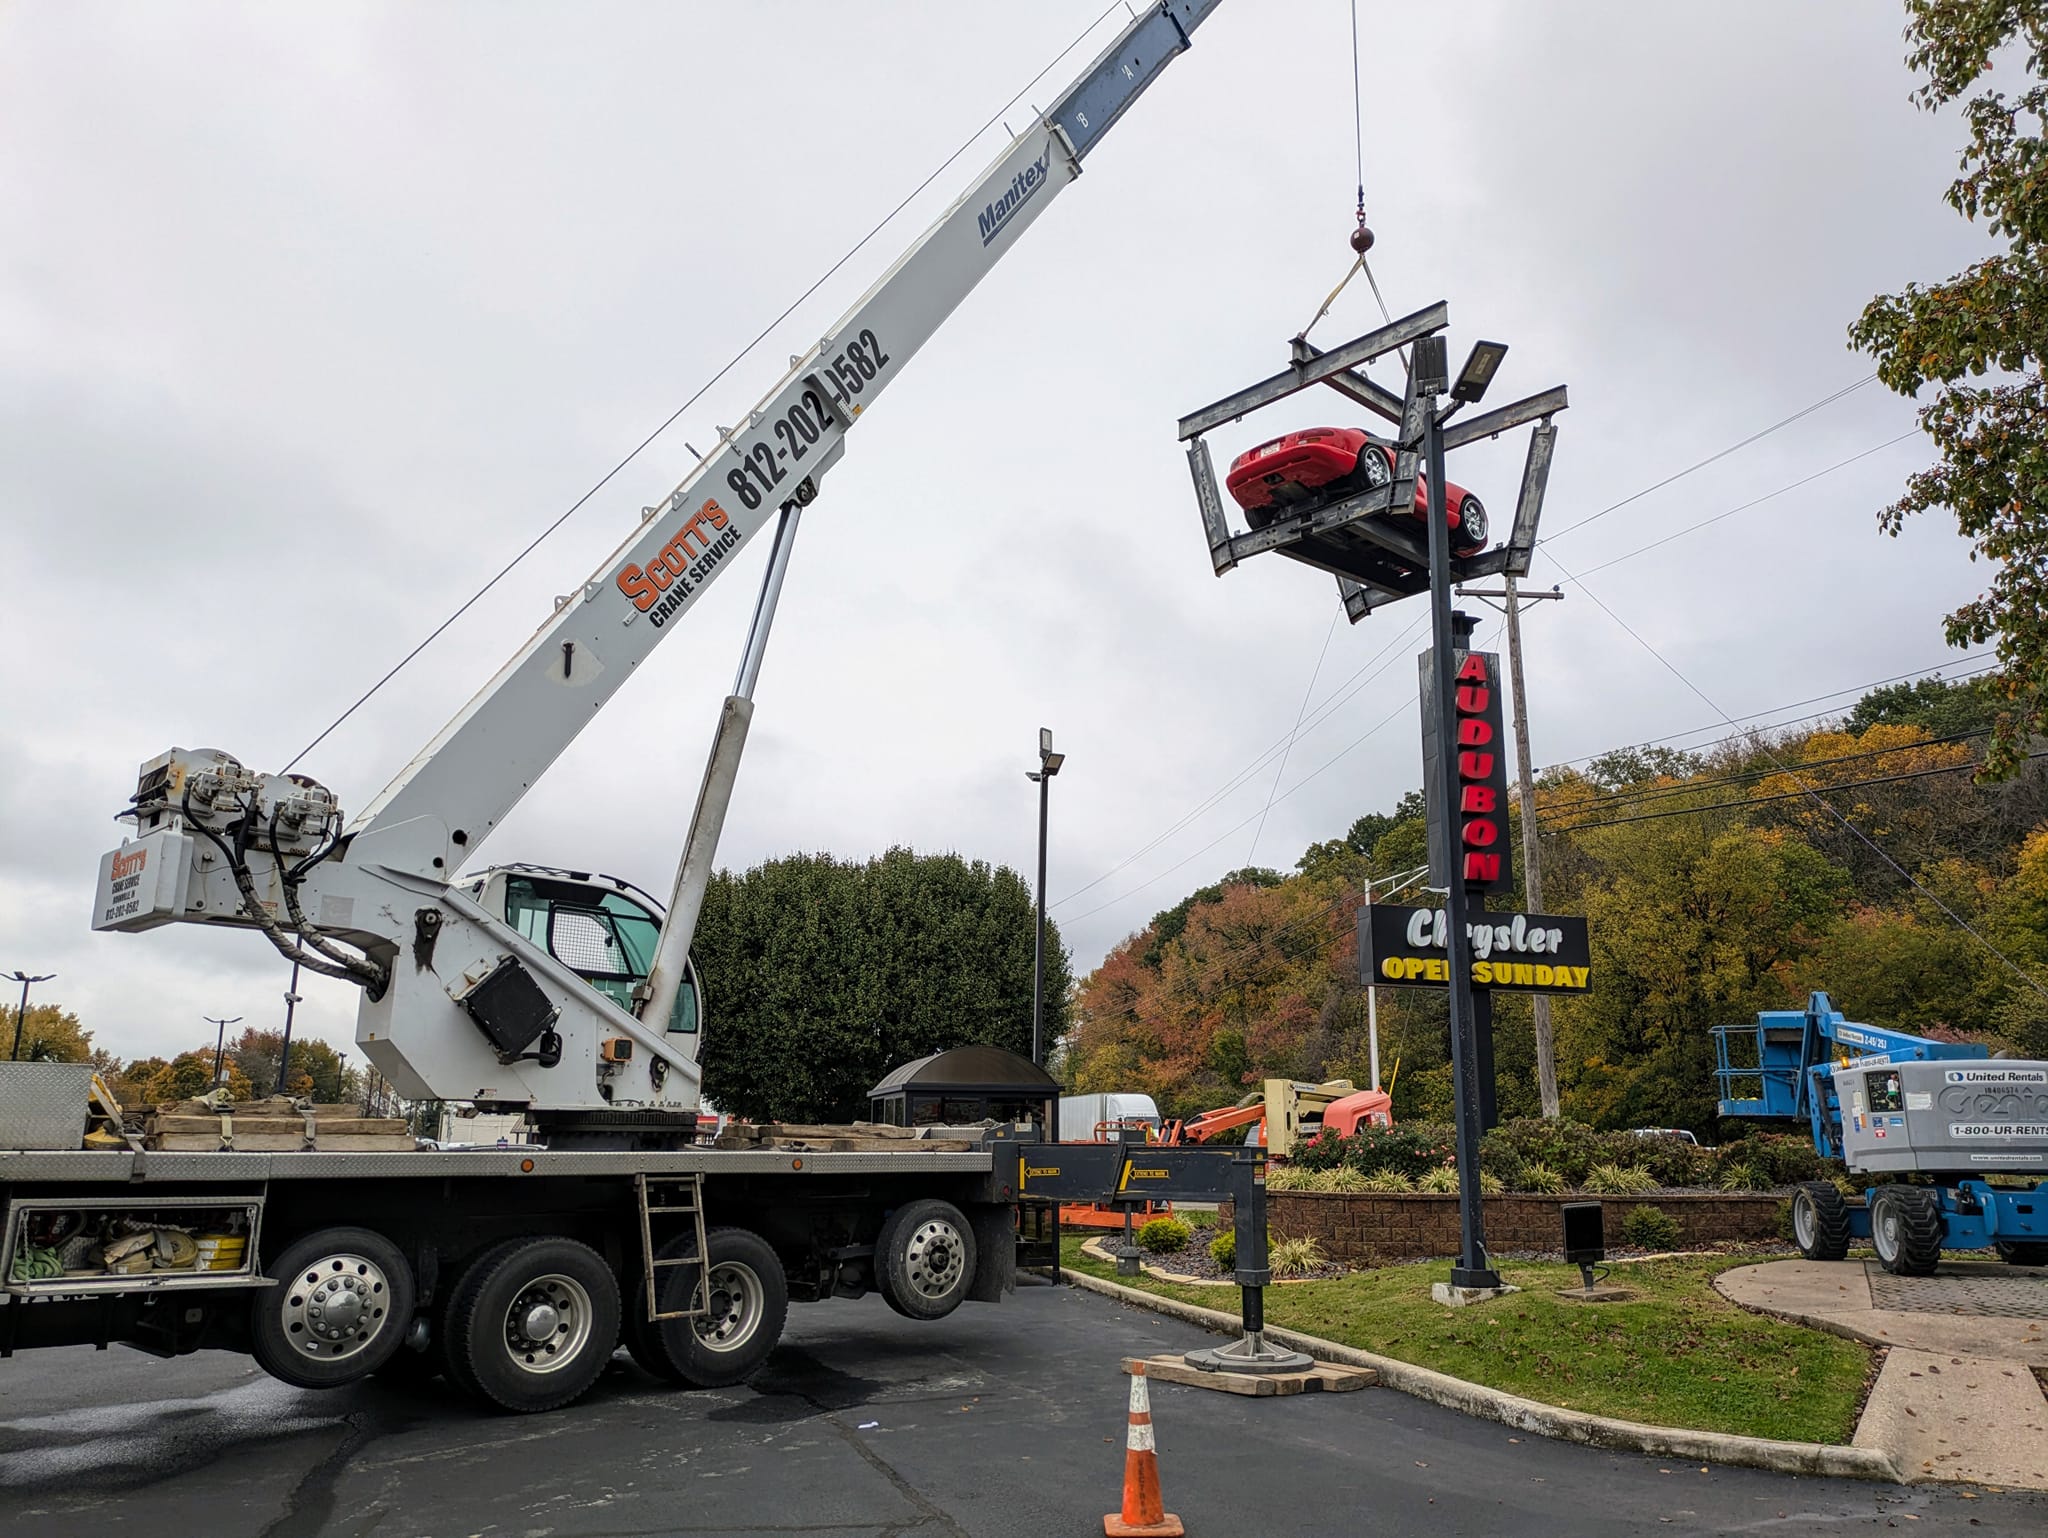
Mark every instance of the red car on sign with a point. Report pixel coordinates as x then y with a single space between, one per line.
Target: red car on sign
1318 465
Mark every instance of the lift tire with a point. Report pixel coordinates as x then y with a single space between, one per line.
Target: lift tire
1820 1221
749 1306
537 1323
2022 1252
340 1309
924 1259
1905 1229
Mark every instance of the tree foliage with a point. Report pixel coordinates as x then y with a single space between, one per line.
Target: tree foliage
1979 339
48 1034
821 975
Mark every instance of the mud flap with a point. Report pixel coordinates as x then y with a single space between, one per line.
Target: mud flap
995 1246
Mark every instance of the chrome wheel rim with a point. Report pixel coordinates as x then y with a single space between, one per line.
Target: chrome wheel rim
335 1307
735 1303
548 1323
935 1258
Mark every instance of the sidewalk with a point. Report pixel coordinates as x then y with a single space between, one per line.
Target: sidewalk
1958 1399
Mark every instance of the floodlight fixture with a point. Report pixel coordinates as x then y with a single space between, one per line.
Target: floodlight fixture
1478 371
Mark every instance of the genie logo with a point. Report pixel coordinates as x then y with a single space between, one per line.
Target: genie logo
1023 187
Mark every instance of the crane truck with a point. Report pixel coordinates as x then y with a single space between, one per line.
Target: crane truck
1938 1119
561 995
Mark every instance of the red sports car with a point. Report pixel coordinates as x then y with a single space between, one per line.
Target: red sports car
1326 464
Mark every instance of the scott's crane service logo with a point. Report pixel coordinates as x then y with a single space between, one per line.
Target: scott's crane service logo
1023 187
670 576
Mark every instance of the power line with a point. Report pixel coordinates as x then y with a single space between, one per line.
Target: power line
1741 802
1635 496
1863 688
1875 848
1641 794
668 422
1294 736
1694 528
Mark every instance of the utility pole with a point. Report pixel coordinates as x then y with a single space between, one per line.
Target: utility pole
21 1015
220 1045
1532 868
1048 765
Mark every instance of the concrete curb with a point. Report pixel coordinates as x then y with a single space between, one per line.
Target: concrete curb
1527 1415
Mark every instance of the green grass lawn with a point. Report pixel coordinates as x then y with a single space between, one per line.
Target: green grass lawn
1676 1354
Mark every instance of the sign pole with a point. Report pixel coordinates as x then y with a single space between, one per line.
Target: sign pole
1432 377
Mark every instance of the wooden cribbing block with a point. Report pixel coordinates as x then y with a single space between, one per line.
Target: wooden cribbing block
1324 1377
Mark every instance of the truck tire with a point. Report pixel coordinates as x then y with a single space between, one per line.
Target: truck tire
536 1323
924 1259
749 1306
1905 1228
340 1309
1820 1221
2022 1252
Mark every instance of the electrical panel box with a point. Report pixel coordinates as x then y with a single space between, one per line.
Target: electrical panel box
1974 1117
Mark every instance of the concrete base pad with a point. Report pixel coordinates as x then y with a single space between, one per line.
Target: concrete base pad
1460 1297
1595 1294
1324 1377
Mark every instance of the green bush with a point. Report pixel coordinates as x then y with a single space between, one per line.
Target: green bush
1491 1184
1163 1236
1648 1228
1544 1180
1785 1233
1344 1179
1441 1181
1618 1180
1294 1257
1223 1249
1781 1158
1412 1149
1747 1177
1388 1182
1293 1177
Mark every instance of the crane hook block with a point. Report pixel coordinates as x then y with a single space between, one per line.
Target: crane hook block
1361 238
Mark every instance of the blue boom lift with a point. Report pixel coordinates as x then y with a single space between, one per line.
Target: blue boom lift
1938 1117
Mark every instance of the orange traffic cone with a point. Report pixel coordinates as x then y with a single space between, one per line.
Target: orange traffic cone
1144 1514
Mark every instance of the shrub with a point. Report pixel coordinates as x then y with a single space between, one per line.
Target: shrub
1294 1257
1293 1177
1162 1236
1440 1181
1784 1159
1785 1233
1413 1148
1223 1250
1648 1228
1618 1180
1390 1182
1491 1184
1543 1179
1343 1179
1747 1177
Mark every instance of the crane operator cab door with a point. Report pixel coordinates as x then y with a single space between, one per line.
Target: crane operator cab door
600 927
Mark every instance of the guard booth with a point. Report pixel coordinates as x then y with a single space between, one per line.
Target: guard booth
965 1085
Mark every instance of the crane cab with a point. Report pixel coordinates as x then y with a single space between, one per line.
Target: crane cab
603 928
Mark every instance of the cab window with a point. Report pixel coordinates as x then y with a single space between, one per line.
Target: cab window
605 937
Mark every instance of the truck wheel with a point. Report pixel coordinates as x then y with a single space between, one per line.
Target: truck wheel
749 1299
536 1324
1820 1221
2022 1252
1905 1228
340 1309
924 1260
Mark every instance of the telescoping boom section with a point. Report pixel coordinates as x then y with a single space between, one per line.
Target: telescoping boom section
463 1000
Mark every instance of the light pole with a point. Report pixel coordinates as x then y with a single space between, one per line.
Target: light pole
21 1016
220 1045
1048 765
284 1056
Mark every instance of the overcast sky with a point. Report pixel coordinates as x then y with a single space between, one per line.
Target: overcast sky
311 316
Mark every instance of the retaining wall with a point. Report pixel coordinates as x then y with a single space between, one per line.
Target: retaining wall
1365 1228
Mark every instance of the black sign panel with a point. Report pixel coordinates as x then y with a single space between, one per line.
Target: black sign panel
1479 793
1511 952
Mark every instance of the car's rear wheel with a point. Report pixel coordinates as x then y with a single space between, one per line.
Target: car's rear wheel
1473 531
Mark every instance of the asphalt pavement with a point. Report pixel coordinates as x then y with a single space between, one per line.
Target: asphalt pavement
1004 1420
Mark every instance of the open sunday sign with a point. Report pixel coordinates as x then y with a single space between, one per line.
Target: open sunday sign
1513 952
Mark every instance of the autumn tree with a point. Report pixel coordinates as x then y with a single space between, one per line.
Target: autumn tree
1979 339
49 1034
